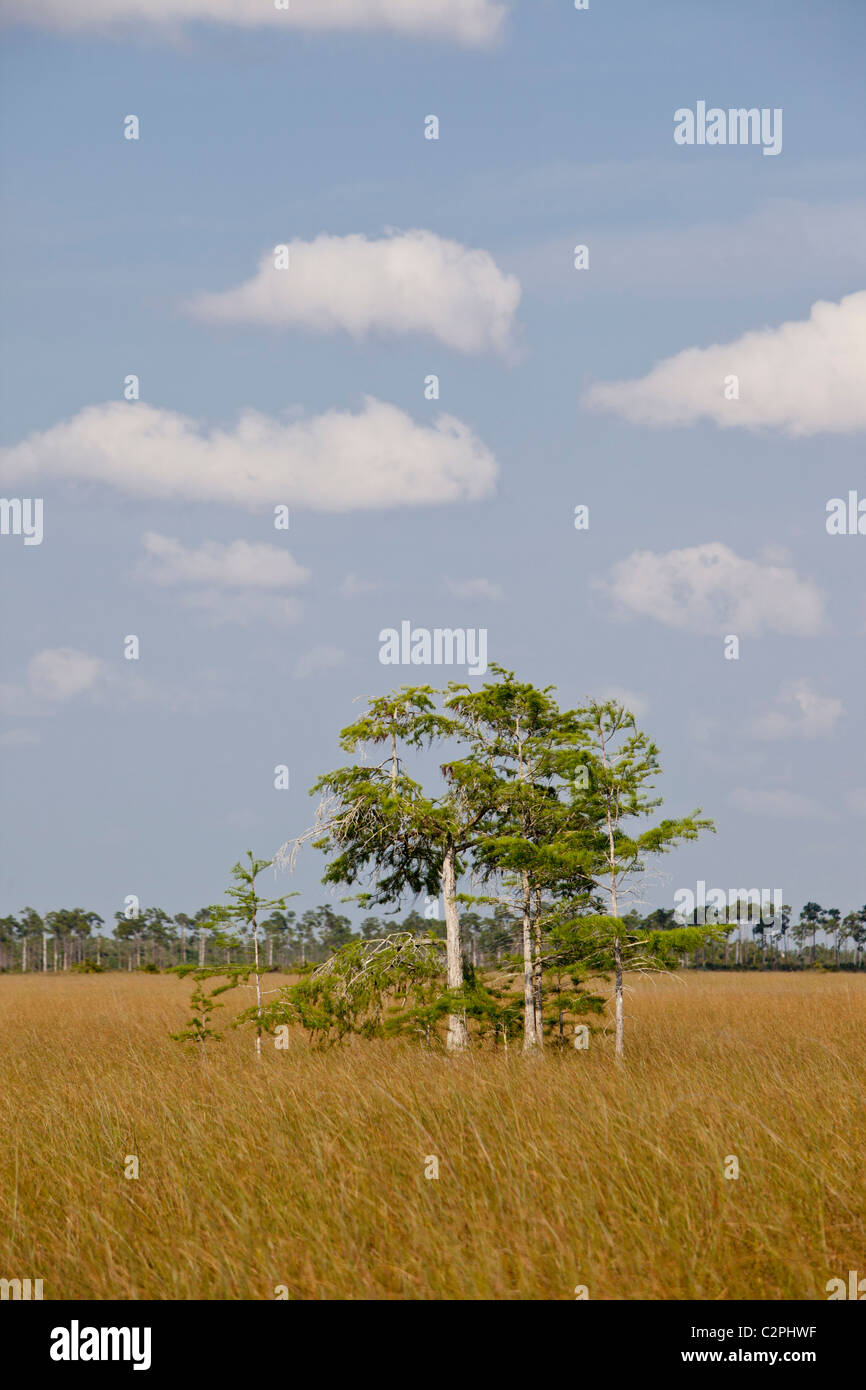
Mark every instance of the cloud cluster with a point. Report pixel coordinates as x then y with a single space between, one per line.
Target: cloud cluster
711 589
238 565
803 711
409 282
241 580
804 377
61 673
465 21
334 462
52 677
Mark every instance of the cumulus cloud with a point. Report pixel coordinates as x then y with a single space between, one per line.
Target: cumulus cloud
333 462
804 377
409 282
238 565
324 657
474 588
801 711
60 673
465 21
711 589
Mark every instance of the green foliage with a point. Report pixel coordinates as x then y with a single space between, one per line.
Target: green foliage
359 989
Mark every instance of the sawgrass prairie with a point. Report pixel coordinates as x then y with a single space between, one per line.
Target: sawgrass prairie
303 1174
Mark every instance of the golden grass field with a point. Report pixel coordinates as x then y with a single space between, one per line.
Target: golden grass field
306 1169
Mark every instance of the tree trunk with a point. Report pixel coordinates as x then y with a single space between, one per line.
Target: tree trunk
620 1030
457 1035
258 990
537 982
530 1032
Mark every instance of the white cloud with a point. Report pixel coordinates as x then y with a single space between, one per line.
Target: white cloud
779 803
17 738
238 565
474 588
410 282
803 712
335 462
321 658
60 673
255 569
804 377
355 587
711 589
466 21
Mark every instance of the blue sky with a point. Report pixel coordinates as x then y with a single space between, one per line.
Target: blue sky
151 777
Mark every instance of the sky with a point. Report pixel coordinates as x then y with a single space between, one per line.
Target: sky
698 384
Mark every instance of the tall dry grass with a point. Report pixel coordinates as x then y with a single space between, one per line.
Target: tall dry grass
307 1169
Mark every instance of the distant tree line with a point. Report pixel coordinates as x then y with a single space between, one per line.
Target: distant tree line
70 938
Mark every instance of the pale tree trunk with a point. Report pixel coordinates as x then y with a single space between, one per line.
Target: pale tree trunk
24 956
457 1038
614 909
258 990
531 1041
44 952
530 1032
537 981
201 947
620 1029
